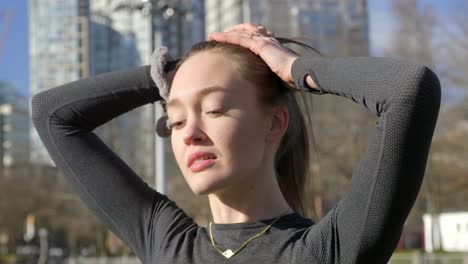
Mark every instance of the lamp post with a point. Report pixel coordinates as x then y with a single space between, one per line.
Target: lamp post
158 112
43 246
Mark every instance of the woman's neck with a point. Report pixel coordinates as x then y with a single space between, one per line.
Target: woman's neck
255 198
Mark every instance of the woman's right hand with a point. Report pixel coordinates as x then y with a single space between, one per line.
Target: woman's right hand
261 42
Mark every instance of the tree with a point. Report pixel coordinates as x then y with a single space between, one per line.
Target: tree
414 41
454 49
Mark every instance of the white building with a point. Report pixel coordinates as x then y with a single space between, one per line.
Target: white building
446 231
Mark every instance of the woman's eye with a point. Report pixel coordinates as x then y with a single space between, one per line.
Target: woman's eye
215 112
180 123
174 125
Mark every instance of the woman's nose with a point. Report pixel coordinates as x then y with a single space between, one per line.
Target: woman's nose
193 133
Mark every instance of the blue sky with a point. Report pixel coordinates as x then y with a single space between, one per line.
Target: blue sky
14 57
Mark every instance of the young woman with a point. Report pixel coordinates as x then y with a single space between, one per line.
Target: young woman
236 132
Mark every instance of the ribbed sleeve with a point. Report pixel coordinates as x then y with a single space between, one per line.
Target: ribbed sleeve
366 225
65 116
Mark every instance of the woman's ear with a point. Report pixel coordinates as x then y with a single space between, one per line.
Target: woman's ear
279 123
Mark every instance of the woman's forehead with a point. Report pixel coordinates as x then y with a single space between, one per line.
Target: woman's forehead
204 71
204 66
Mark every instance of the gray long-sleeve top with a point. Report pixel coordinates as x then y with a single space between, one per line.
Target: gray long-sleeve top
363 227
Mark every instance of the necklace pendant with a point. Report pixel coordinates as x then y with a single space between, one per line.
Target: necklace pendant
228 253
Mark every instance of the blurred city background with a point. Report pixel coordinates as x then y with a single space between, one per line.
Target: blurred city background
46 43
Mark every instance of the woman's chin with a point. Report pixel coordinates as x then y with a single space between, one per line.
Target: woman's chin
203 192
207 185
205 189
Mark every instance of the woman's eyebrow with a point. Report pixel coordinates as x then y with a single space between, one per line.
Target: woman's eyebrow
200 94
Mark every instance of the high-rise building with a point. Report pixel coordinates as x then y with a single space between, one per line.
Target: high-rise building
178 24
75 39
220 14
119 35
335 27
58 52
14 126
121 38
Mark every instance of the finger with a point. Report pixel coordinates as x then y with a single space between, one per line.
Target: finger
243 27
241 39
260 30
249 27
245 34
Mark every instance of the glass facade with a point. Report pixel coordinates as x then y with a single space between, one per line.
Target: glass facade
338 27
335 27
14 126
221 14
58 52
120 39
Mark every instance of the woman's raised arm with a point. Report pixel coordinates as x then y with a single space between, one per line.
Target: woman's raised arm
366 224
65 117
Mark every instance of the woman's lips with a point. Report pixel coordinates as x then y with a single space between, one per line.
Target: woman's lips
199 166
199 155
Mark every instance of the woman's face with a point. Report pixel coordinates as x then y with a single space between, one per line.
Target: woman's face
212 109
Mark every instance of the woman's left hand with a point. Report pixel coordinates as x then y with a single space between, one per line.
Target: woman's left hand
261 42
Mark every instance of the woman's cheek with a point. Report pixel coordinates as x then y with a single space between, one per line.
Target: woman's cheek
178 149
243 140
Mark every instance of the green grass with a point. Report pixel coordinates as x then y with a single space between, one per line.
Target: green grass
440 257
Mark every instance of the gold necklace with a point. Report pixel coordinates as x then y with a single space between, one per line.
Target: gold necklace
229 253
